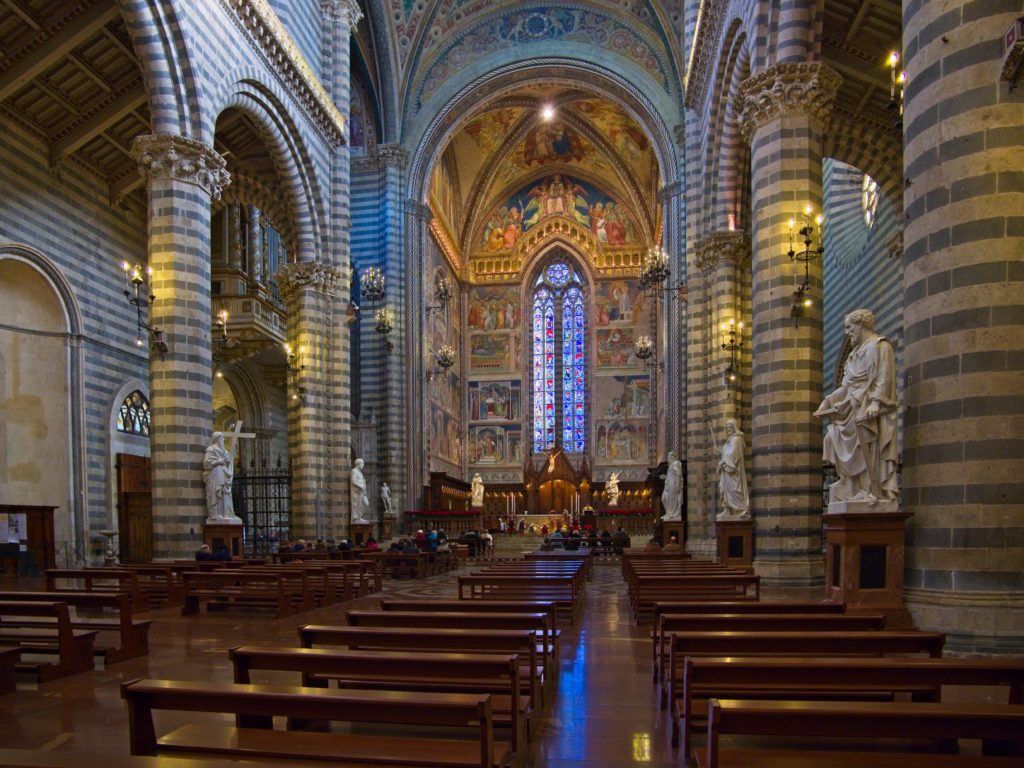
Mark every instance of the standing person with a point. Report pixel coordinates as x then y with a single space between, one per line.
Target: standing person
861 436
357 490
732 475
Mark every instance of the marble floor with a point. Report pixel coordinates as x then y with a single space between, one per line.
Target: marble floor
604 714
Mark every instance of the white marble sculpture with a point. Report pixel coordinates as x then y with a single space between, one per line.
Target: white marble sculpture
357 490
672 496
861 436
611 487
385 497
477 491
218 472
732 476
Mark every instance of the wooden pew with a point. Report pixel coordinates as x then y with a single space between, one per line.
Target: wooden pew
99 580
254 706
584 556
560 589
321 589
9 656
31 758
396 671
1003 724
415 565
880 643
72 647
752 622
477 606
841 678
248 588
159 580
522 642
109 613
649 590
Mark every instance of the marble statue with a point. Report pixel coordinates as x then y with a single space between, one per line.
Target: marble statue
861 436
218 472
385 497
732 475
477 491
672 496
611 487
357 490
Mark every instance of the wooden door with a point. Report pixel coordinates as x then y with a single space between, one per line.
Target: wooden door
134 509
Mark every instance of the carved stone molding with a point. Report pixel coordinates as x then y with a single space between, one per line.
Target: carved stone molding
167 156
719 247
392 155
363 163
894 245
268 36
679 132
801 88
418 210
344 11
670 190
299 275
710 19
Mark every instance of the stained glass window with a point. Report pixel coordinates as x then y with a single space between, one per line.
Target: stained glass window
134 416
559 360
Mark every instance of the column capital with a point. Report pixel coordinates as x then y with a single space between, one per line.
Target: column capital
721 247
293 277
392 155
419 210
345 12
799 88
167 156
670 190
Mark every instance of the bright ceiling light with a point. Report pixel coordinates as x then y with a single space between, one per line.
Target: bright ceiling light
548 113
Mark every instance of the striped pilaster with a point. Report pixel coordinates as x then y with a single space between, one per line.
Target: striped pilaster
341 17
308 290
798 35
417 235
672 200
181 176
964 318
783 111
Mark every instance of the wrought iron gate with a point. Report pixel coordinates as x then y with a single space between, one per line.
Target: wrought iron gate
262 498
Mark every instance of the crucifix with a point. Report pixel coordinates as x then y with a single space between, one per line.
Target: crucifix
237 433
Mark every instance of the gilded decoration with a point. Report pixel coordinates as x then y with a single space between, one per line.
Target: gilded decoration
802 88
167 156
297 276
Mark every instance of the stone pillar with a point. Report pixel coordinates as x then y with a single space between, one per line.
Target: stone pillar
255 254
182 176
700 507
341 17
670 342
308 290
782 112
417 230
963 286
233 217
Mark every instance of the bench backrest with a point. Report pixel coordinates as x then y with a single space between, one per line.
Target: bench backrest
828 643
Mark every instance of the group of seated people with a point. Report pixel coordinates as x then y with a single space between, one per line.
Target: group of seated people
671 546
221 553
566 538
321 545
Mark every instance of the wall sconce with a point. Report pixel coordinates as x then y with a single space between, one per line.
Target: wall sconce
444 359
811 232
732 342
296 366
643 348
896 85
383 326
443 293
140 295
220 340
1013 53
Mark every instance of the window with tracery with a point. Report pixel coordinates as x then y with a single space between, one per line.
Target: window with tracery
134 415
559 360
869 200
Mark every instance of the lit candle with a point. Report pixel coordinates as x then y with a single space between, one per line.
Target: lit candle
127 269
894 59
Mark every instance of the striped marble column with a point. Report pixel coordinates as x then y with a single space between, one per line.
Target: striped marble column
182 176
308 290
964 318
783 111
417 228
340 17
673 435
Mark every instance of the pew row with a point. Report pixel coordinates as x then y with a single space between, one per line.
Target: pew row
20 627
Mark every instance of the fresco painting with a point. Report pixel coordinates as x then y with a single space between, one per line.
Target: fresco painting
622 397
497 352
495 445
620 441
495 400
493 309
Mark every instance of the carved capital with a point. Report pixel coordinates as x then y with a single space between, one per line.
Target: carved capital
670 190
166 156
679 132
297 276
801 88
344 12
392 155
722 247
894 245
418 210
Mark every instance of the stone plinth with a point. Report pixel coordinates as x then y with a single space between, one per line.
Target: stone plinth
735 540
387 528
230 535
664 530
358 533
864 558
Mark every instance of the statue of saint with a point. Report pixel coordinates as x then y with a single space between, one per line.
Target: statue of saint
218 472
357 491
861 436
477 491
732 475
672 496
611 487
385 497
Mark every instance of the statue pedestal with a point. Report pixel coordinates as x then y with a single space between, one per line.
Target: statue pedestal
864 558
387 528
230 535
664 530
735 541
358 533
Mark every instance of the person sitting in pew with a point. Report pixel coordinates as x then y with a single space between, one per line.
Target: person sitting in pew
371 544
673 545
222 554
204 553
652 546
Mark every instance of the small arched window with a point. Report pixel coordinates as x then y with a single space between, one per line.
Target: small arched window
134 416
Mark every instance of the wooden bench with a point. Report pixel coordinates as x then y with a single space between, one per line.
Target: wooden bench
838 678
415 565
109 613
476 606
99 580
30 758
159 580
396 671
1002 725
322 590
254 707
9 656
19 626
522 642
560 590
649 590
250 588
752 622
